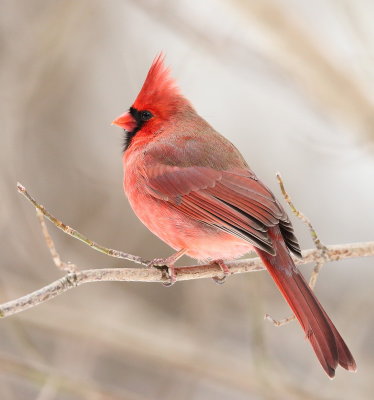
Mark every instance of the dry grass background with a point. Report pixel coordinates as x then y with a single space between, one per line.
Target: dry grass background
290 82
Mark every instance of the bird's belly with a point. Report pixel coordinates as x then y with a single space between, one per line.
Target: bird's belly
179 231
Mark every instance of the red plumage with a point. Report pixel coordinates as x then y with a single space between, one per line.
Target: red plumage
192 188
158 89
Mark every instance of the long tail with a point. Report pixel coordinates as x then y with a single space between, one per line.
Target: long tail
326 341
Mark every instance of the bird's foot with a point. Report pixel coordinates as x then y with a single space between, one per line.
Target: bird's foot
167 268
166 265
225 269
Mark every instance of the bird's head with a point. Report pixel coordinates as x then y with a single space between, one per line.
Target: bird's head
157 102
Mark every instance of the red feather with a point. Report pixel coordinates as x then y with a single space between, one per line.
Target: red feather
193 189
326 341
159 88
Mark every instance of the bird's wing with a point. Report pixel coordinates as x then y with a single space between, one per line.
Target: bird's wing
234 201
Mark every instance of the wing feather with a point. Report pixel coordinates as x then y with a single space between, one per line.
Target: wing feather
234 201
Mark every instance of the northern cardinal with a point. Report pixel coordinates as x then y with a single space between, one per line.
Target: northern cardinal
193 189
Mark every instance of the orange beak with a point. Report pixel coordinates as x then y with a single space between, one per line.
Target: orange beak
125 121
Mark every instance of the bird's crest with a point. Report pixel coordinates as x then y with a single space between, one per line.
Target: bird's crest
159 88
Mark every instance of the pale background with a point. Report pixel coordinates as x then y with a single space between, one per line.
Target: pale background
290 82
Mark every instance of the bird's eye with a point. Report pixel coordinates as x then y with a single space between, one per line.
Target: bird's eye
145 115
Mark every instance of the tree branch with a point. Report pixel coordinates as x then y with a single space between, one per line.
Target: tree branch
77 235
63 266
75 279
300 215
317 242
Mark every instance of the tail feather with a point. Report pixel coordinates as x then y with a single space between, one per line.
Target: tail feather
345 357
326 341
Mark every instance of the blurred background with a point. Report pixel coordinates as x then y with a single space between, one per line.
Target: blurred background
290 82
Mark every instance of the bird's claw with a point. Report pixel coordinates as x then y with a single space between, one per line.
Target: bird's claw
167 269
225 269
220 281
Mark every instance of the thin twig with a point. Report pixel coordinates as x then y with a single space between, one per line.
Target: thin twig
312 283
77 278
71 280
63 266
77 235
317 242
280 322
299 214
315 273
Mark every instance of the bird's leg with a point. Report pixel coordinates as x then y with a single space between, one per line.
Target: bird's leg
168 265
224 268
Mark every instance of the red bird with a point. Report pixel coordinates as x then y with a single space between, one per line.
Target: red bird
193 189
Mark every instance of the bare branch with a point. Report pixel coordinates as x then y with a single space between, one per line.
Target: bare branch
63 266
75 278
316 270
299 214
317 242
77 235
71 280
280 322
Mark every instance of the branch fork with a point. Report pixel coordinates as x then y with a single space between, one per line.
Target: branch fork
75 277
